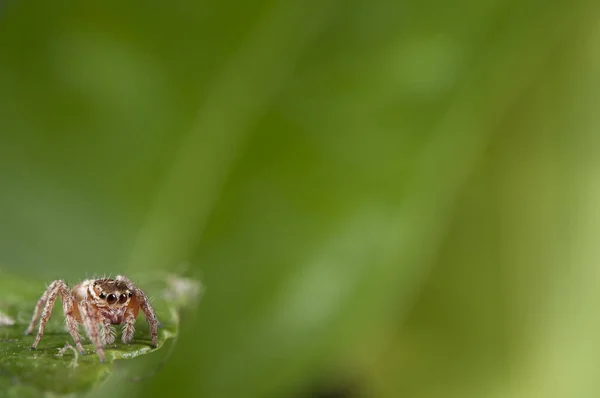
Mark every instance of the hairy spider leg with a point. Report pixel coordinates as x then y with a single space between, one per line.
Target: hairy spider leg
146 308
69 308
38 309
150 316
129 326
91 323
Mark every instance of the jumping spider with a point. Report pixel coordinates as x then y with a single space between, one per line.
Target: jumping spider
97 304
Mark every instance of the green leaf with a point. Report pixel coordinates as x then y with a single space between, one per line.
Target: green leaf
55 366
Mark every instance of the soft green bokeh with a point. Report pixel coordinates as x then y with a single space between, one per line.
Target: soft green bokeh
397 197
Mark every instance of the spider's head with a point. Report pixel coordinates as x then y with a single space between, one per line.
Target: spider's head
110 293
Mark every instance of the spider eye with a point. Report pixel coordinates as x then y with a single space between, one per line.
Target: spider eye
122 298
111 299
102 295
130 294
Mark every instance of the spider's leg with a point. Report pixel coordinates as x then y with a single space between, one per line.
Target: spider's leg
145 306
38 308
70 309
90 321
150 315
47 300
128 327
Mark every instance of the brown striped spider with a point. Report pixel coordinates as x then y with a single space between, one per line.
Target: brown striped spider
98 304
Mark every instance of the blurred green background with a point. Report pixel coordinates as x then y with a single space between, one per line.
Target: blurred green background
382 198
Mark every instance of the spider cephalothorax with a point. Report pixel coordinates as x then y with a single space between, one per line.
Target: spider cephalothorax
98 304
110 296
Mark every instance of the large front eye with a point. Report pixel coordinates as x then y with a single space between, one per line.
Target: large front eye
111 299
122 298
